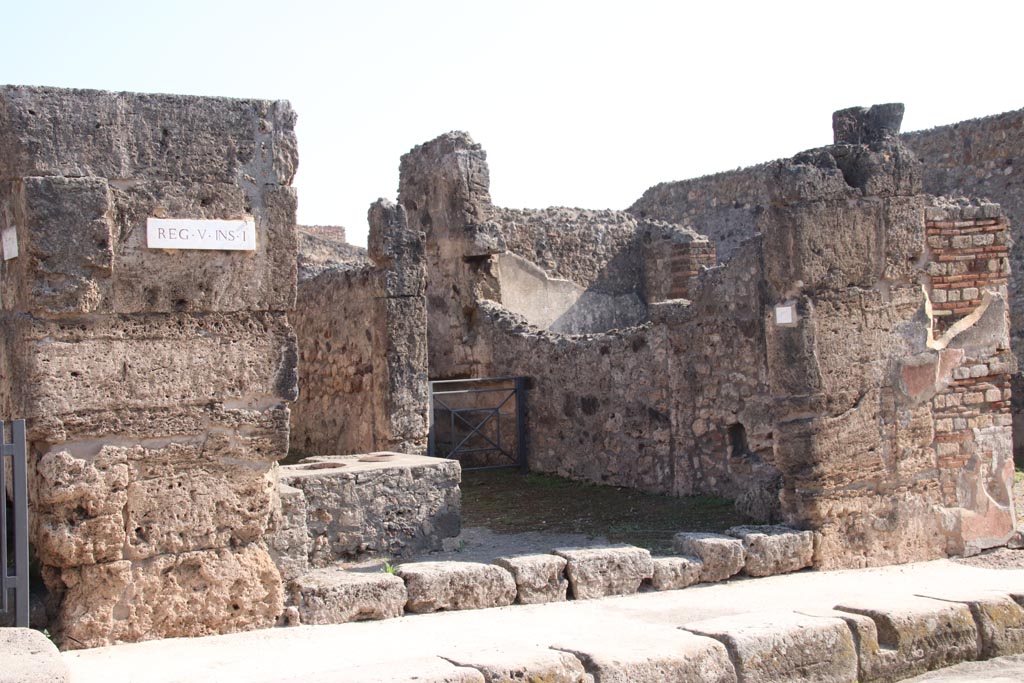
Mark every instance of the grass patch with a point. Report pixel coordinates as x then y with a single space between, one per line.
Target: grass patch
508 501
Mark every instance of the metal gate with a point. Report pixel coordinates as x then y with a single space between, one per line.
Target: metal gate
14 532
479 422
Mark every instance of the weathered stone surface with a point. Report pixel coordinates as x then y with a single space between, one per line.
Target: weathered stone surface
510 664
188 594
673 573
29 657
53 131
365 387
773 550
650 656
784 646
720 556
112 365
336 596
136 502
539 578
435 586
324 247
381 503
598 572
288 537
999 618
911 635
419 669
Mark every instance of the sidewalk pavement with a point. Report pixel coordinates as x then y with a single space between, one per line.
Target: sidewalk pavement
423 647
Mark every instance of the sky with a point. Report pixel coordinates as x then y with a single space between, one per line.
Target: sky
576 103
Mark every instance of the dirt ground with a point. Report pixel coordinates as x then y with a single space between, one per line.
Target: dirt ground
506 512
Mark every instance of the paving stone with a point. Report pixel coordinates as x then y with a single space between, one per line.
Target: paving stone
652 655
722 556
766 647
597 572
336 596
539 578
673 573
434 586
773 549
27 656
516 664
908 635
419 669
999 618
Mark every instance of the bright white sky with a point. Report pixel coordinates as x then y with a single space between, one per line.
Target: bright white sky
578 103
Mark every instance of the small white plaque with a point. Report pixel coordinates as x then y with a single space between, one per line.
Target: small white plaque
10 242
785 314
184 233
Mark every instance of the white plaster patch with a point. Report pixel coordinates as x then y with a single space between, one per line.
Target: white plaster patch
785 314
9 237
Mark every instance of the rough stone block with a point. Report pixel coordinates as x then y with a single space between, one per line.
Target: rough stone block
29 657
191 594
132 502
784 646
651 656
288 537
435 586
336 596
517 663
673 573
771 550
721 556
68 369
999 618
539 578
597 572
389 503
910 635
54 131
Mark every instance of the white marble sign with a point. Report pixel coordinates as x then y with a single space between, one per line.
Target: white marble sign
9 237
185 233
785 315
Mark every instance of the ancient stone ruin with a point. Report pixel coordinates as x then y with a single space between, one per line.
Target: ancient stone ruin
819 339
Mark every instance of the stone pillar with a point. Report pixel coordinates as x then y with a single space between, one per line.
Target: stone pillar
155 381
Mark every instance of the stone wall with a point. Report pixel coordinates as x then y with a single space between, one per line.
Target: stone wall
155 382
322 247
818 377
985 158
361 328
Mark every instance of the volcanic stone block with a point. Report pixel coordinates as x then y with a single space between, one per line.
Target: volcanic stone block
597 572
53 131
784 646
539 578
388 503
28 656
721 556
673 573
336 596
652 654
288 538
70 368
1000 620
132 502
771 550
435 586
912 635
189 594
517 663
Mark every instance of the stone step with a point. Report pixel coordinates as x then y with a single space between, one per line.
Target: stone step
334 595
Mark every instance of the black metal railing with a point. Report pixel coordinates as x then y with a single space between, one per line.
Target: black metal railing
479 422
14 530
